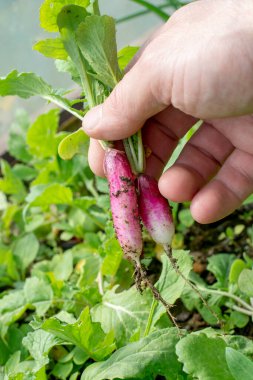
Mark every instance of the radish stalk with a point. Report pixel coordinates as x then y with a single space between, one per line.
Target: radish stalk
156 216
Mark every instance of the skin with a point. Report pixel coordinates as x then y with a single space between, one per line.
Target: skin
199 65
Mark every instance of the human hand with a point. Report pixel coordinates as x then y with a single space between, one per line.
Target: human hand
198 65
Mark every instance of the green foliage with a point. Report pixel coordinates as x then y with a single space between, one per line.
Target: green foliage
26 85
204 357
72 144
51 48
96 38
68 305
240 366
51 8
144 359
85 334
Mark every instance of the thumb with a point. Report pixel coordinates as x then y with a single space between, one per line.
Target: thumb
137 97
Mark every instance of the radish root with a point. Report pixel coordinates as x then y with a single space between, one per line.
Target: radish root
175 266
142 282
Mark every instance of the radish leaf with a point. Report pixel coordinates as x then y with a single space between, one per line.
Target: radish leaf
68 21
46 195
26 85
170 284
74 143
50 10
126 313
239 365
125 55
41 136
245 282
25 250
39 294
203 357
84 334
10 183
145 359
51 48
39 343
96 38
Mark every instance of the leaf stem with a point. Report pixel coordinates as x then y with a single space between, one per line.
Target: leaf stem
61 104
141 154
175 266
242 310
95 8
140 13
153 8
150 317
132 161
226 294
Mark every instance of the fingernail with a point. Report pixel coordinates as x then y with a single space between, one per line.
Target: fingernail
92 118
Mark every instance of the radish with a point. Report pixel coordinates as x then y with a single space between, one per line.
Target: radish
126 220
124 203
155 211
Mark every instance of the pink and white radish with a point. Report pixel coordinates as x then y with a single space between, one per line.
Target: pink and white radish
156 216
155 211
124 203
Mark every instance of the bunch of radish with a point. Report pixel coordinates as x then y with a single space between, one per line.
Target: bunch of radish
136 199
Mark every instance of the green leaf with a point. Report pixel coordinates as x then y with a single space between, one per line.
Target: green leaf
68 21
39 294
26 85
170 284
24 172
126 313
12 307
145 359
245 282
17 147
39 343
85 334
96 38
4 352
238 319
62 266
74 143
239 365
220 265
41 136
236 268
46 195
8 267
88 266
62 370
12 363
203 357
17 138
125 55
51 48
50 10
240 343
186 218
68 67
10 183
25 250
113 257
14 337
